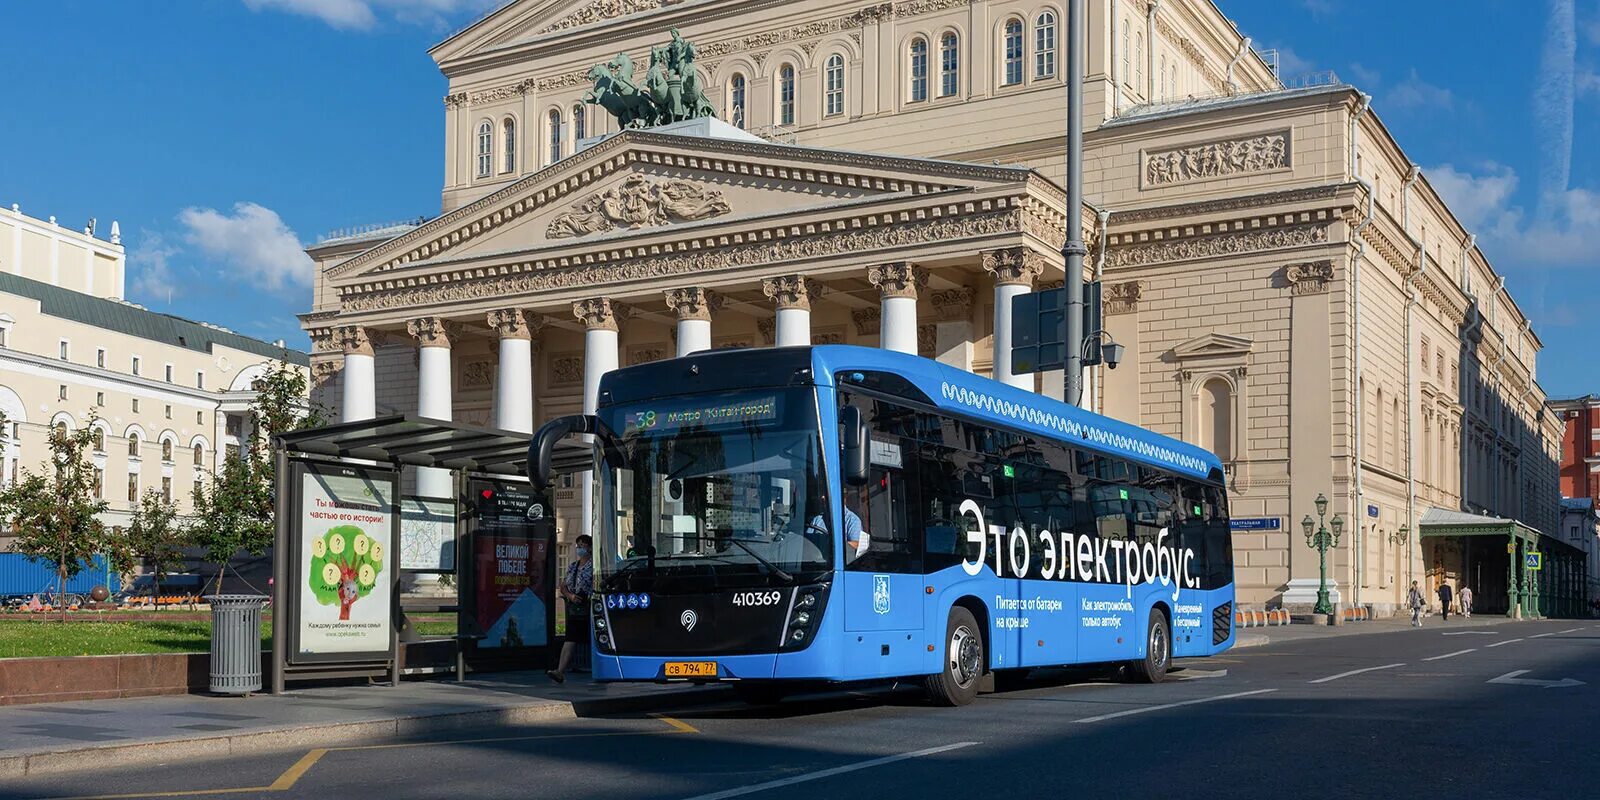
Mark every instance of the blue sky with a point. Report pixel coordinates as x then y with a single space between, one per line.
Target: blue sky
224 133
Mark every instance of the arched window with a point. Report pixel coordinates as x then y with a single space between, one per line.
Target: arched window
1159 75
1012 49
133 444
485 148
580 124
919 69
1396 454
1138 59
508 135
1172 82
1126 57
99 440
786 95
166 450
1216 418
199 455
1374 428
1044 44
949 65
834 85
736 101
555 135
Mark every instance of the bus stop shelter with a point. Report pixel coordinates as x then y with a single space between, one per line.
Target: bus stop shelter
1512 568
347 531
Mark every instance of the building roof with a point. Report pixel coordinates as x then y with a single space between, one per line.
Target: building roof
1577 504
131 320
1197 105
1445 516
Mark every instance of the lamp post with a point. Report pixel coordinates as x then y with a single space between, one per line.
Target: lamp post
1322 540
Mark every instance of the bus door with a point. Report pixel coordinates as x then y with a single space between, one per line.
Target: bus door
883 584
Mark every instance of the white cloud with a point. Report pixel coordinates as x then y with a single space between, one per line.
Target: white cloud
152 272
1416 93
252 242
1561 234
1319 8
364 14
1367 76
1586 82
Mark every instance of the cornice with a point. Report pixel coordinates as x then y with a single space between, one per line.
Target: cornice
1247 202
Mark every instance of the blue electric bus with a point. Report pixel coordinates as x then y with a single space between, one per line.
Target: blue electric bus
835 513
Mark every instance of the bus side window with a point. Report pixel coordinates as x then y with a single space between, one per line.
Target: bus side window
1219 540
893 544
941 486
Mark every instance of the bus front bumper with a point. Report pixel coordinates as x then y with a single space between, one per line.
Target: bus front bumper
758 666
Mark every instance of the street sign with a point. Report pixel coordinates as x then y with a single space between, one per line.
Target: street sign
1532 561
1039 329
1511 547
1254 523
1372 511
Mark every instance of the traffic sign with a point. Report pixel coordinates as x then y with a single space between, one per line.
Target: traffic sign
1532 560
1039 329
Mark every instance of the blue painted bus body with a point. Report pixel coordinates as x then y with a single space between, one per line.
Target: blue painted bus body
1031 622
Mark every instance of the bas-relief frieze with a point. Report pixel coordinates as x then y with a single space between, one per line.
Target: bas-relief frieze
477 374
601 10
650 267
1220 245
1218 159
639 202
566 368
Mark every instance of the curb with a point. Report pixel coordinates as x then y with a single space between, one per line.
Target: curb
339 735
1252 640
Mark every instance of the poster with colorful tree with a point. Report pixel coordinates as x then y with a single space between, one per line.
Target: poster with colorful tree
345 585
345 563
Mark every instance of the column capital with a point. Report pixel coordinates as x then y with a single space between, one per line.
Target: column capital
1014 265
599 313
433 331
1311 277
1123 298
693 302
953 305
514 323
792 291
898 278
356 340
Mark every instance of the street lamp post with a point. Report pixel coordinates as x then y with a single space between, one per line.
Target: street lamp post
1323 540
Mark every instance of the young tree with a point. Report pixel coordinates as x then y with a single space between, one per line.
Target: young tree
156 537
234 511
54 513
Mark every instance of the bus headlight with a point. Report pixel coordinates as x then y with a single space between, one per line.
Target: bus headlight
804 616
599 623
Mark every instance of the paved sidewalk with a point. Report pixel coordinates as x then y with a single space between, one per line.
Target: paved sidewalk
1256 637
56 737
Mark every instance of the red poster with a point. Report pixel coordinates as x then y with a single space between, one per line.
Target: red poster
512 595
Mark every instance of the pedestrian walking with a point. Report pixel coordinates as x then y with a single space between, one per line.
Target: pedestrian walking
1444 598
577 586
1415 603
1465 598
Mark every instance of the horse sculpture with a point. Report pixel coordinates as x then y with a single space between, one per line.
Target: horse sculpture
615 92
671 91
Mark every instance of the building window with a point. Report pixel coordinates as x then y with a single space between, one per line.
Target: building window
99 483
949 65
736 100
100 358
135 405
786 95
199 417
555 135
100 398
199 380
231 451
1126 58
1172 82
133 444
61 391
1044 44
834 85
1013 52
133 487
62 353
234 425
99 440
919 69
485 148
1138 59
196 489
199 456
136 365
1216 418
5 331
508 144
169 412
166 451
166 488
580 125
1159 75
168 373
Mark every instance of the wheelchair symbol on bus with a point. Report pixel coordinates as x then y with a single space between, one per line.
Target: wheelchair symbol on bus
880 594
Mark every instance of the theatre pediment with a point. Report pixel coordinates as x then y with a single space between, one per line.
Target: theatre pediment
643 182
530 19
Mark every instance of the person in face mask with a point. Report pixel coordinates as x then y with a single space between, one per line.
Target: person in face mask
577 585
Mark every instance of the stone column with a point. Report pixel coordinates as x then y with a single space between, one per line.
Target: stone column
693 306
1310 419
434 336
599 317
793 294
359 398
952 333
513 381
1014 270
898 283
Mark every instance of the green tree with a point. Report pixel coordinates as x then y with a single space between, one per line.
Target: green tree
345 563
156 537
234 510
54 514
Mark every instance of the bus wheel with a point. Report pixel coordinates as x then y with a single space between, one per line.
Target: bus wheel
957 683
761 693
1157 652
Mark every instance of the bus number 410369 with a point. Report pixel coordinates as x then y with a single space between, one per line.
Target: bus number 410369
757 598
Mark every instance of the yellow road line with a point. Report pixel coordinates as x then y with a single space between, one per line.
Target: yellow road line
193 793
292 774
677 724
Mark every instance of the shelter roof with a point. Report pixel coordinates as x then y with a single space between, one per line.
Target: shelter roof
410 440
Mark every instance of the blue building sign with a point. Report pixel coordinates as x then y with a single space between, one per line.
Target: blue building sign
1372 511
1254 523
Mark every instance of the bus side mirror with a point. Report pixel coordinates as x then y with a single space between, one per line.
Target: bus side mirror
543 445
853 435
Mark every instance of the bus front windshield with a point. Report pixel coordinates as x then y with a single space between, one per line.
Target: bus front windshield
713 492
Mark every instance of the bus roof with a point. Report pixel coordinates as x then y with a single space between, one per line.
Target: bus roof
972 395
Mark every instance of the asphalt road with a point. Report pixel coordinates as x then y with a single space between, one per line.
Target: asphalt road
1441 712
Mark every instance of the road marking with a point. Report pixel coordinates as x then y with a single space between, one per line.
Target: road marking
1197 674
677 723
1451 655
1508 641
1511 678
1356 672
828 773
1472 633
1570 630
287 779
1130 712
1542 635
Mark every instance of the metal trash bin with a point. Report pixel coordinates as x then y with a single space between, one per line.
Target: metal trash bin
236 643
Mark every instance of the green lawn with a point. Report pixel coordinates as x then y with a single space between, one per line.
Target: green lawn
42 637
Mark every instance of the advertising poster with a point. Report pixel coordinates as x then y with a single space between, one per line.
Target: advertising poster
511 551
344 566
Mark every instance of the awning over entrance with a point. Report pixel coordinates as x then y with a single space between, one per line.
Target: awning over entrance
1535 574
409 440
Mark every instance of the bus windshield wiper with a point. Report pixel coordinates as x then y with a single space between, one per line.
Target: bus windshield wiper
615 578
776 570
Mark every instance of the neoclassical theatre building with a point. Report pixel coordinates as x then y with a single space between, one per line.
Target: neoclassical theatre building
1291 291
